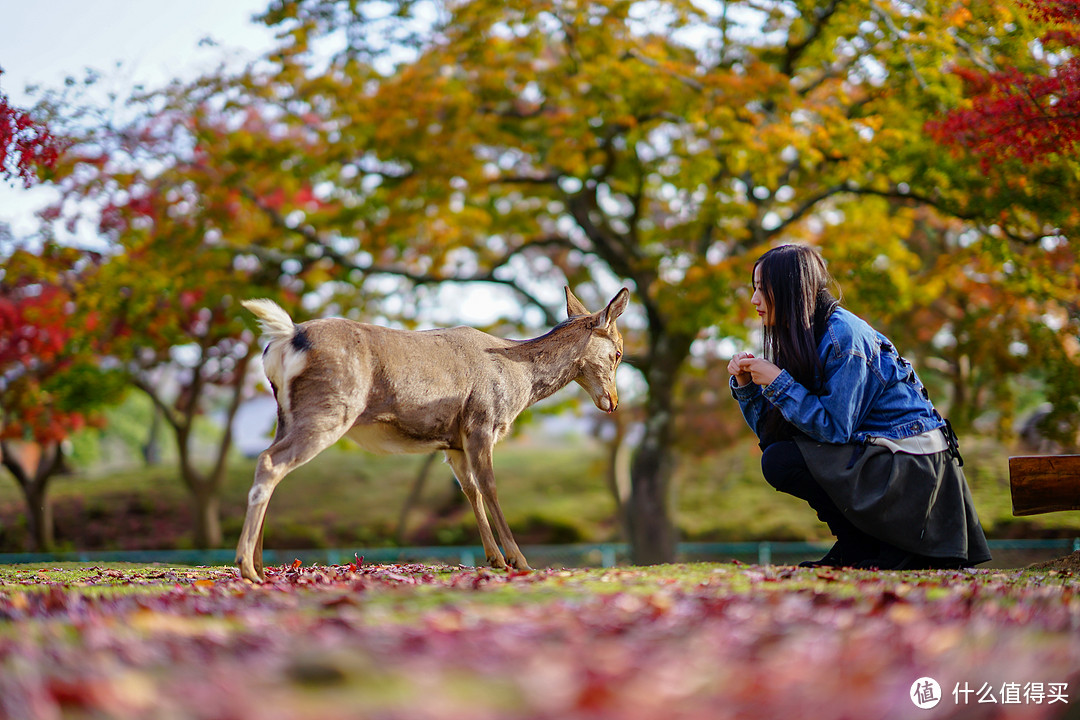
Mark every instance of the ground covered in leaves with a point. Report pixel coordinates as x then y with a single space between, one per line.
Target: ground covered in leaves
418 642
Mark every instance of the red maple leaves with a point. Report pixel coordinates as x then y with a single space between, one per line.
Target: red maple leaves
1023 115
25 145
34 333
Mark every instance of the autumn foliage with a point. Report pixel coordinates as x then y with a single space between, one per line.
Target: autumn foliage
50 385
32 340
51 382
1029 113
25 144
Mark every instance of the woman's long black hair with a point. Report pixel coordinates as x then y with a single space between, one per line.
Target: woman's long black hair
795 283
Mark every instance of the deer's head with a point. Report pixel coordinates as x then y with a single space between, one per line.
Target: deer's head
603 353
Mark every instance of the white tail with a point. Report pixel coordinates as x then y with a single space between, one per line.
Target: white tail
273 321
396 391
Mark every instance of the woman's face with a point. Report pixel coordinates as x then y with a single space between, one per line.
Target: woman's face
759 300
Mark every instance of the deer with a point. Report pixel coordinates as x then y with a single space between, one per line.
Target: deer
395 391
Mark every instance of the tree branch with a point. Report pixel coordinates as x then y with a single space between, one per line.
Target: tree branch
895 193
166 411
903 41
8 461
806 206
312 238
641 57
795 50
230 414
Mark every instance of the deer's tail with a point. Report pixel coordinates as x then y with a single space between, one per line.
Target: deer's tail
273 321
282 360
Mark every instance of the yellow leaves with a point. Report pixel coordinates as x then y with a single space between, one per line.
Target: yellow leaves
958 16
1004 13
1071 347
319 273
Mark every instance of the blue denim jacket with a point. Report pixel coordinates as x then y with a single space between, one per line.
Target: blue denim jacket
868 390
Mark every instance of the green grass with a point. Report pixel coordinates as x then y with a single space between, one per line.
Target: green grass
551 492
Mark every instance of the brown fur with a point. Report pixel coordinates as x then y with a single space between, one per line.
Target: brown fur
399 391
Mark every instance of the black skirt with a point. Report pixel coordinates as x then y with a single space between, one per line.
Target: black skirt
919 503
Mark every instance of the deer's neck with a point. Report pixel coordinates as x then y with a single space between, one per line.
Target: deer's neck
555 359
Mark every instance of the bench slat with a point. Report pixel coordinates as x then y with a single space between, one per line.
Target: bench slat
1044 483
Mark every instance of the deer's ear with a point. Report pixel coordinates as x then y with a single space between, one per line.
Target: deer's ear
616 308
573 305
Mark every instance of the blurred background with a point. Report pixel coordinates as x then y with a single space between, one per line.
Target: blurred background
420 164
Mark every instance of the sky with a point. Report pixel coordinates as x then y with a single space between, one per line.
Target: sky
45 41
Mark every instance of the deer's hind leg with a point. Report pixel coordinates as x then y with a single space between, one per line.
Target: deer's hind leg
467 479
298 444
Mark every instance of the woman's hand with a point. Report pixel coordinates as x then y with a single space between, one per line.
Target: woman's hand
741 376
761 372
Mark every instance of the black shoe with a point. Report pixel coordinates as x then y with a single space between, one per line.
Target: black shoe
845 552
947 563
833 558
893 558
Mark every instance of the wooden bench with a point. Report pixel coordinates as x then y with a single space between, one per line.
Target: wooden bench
1044 483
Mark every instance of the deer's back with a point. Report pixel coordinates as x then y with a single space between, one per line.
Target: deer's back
422 387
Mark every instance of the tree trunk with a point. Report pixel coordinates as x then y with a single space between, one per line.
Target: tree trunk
207 519
40 517
151 449
32 470
618 471
204 492
652 533
205 488
414 497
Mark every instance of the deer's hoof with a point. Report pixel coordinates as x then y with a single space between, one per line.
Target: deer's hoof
248 571
497 562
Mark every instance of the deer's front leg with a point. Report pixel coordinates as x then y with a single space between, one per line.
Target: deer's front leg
467 480
480 461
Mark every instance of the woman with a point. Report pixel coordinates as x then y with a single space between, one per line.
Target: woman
846 425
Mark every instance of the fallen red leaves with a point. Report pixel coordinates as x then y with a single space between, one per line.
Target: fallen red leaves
416 641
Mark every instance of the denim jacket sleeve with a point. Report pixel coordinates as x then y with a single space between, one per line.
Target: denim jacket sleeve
834 415
751 402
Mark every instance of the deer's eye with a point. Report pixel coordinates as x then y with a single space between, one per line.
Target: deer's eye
618 354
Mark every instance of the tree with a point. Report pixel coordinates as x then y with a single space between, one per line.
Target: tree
183 343
50 382
48 388
170 285
662 145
